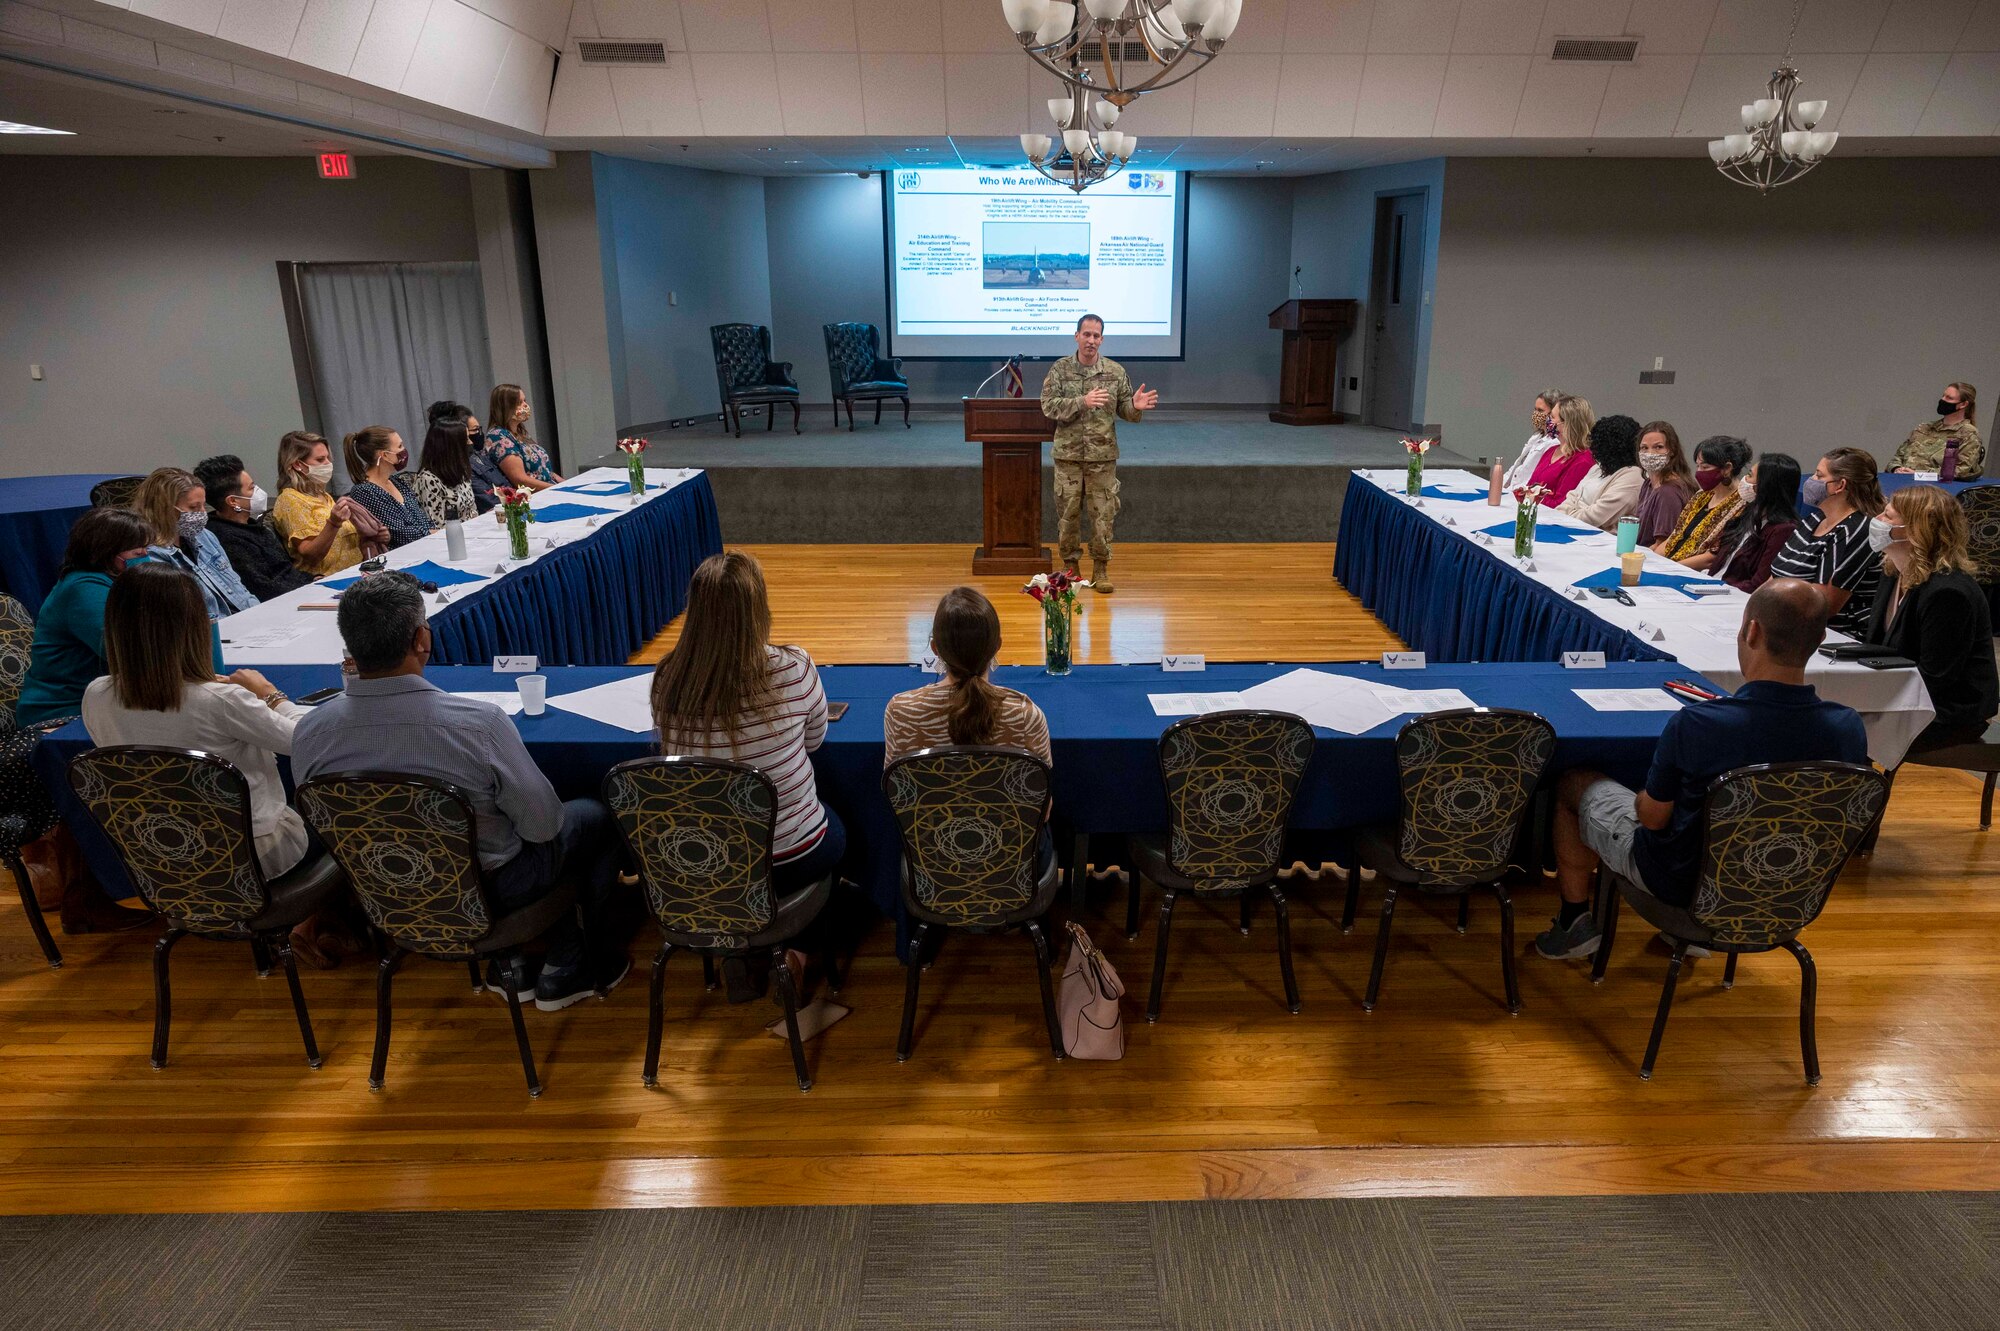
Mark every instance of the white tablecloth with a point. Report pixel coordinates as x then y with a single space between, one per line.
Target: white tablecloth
1701 633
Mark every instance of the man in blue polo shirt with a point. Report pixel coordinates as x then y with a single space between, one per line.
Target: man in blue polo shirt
1653 837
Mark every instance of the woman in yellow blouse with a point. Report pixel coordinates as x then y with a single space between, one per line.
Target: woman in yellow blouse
322 534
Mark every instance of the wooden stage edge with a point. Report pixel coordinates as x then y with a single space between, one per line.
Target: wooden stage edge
945 1179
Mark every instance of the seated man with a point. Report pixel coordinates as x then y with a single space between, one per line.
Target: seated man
391 719
254 550
1654 837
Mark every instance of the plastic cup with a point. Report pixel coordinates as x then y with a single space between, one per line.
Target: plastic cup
1629 568
534 694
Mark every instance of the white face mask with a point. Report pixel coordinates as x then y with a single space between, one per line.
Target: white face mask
1652 462
260 503
1746 489
320 474
1881 535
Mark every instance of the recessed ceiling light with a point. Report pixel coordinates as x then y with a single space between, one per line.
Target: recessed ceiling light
10 127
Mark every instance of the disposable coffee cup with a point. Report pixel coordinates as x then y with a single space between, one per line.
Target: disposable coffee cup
534 694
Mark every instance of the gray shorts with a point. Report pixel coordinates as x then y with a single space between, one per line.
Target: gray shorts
1609 821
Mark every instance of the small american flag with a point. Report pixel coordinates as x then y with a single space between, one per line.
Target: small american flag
1014 385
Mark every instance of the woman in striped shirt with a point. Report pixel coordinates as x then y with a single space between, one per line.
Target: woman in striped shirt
1833 553
964 707
726 692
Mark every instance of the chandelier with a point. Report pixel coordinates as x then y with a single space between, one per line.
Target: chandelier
1090 149
1779 143
1140 45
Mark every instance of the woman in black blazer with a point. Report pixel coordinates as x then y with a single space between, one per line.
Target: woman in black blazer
1929 609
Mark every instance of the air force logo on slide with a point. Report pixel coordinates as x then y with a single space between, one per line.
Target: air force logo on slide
907 181
1151 181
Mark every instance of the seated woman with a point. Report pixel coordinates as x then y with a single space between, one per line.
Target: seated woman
486 475
69 629
1611 489
1542 437
524 463
1953 429
1719 462
965 707
1669 482
1563 467
1833 553
174 503
371 465
1930 609
1752 539
162 689
443 483
322 534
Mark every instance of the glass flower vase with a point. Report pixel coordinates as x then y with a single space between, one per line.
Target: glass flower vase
1524 529
517 535
1058 622
635 473
1413 482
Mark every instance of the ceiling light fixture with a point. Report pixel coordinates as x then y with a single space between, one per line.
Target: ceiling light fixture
1085 149
1779 143
11 127
1140 46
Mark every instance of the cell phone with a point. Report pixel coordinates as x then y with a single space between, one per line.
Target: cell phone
1887 663
318 696
835 710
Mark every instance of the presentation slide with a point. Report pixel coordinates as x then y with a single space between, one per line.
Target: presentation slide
984 264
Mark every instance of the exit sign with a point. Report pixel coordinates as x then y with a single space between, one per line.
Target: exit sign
336 166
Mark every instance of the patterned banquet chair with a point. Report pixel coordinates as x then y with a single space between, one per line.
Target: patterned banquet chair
409 846
115 491
699 830
858 372
180 822
747 375
26 813
971 817
1775 838
1982 530
1231 778
1467 779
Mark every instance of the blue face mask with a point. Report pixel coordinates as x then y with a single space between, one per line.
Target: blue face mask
1813 492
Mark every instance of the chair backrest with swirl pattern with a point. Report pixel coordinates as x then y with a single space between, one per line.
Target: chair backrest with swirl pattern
700 831
409 846
1467 777
1776 837
1231 778
1982 529
970 816
17 643
180 821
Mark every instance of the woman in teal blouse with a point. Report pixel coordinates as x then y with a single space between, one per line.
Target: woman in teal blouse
69 629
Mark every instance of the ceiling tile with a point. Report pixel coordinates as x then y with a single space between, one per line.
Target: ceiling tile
259 84
724 25
903 94
738 92
1582 18
110 41
1743 26
198 15
1499 27
1413 27
820 93
457 58
1482 94
904 25
1839 25
1327 26
1890 95
656 103
519 95
1166 113
581 103
818 25
1967 98
641 19
1317 94
1561 101
262 25
979 93
546 21
1399 95
330 33
1671 26
1982 30
1237 94
193 64
1262 25
388 42
327 100
1923 25
978 25
1718 90
1643 99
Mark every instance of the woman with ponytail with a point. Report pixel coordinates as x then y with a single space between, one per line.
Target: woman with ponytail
965 707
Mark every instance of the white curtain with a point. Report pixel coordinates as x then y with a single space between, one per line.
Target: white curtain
389 339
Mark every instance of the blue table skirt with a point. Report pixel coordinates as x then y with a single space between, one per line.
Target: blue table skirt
1105 740
594 601
1453 600
36 513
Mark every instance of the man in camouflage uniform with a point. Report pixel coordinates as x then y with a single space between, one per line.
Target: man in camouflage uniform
1086 395
1924 449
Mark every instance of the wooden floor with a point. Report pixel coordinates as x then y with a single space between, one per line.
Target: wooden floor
1437 1091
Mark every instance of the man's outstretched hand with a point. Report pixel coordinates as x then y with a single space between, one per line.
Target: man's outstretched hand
1097 397
1145 399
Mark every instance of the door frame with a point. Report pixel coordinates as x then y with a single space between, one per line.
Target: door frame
1377 247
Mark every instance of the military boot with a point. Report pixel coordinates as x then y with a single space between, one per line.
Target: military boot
1100 576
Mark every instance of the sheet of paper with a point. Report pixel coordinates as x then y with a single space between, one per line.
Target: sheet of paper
264 638
1419 701
1629 700
1335 702
625 703
1193 704
1659 595
509 702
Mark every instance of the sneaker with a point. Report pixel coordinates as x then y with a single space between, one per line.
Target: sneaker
556 990
496 980
1695 951
1560 944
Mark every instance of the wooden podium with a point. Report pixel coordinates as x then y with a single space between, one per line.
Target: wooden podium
1309 380
1010 432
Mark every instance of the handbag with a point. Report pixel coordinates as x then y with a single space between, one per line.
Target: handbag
1087 1003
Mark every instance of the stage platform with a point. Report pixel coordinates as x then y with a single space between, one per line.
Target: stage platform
1186 475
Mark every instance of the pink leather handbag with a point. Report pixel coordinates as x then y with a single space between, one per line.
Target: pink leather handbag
1087 1002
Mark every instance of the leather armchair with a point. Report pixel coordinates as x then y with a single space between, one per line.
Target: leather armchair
746 374
859 372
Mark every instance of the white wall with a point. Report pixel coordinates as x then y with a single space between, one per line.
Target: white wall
1830 312
147 289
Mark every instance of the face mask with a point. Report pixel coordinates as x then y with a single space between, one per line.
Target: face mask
1881 535
1707 477
1813 492
320 474
1746 490
1652 462
260 503
193 524
1946 408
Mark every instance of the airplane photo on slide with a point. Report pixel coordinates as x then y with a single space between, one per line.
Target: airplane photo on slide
1047 255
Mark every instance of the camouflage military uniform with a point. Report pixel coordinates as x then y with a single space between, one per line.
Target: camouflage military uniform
1924 449
1086 451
